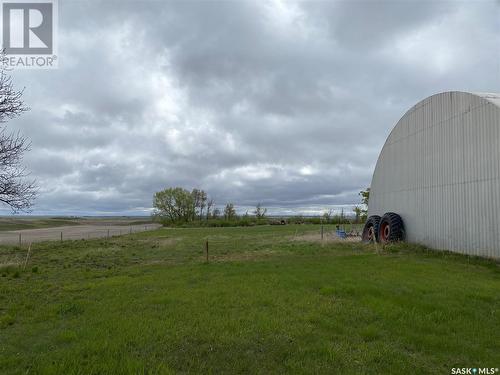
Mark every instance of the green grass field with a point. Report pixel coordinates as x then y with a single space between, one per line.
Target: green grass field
270 300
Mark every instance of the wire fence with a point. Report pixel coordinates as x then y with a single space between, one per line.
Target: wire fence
77 232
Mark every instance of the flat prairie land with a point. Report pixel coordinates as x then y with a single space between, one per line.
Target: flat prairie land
9 223
271 299
38 229
12 223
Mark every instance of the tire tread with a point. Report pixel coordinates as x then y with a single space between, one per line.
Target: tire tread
396 224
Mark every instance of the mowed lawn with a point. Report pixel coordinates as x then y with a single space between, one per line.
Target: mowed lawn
269 301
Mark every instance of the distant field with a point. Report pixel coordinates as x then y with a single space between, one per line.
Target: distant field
10 223
272 299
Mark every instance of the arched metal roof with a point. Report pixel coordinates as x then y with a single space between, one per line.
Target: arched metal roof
440 170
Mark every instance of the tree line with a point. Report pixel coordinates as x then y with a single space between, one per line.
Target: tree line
179 206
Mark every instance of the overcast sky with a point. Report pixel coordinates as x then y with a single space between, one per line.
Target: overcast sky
283 103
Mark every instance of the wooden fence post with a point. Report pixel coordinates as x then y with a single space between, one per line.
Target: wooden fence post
27 256
206 249
61 236
322 233
20 240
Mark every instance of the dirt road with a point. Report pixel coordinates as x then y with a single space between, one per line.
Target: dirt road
75 232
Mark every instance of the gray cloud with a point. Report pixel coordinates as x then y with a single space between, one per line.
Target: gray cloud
284 103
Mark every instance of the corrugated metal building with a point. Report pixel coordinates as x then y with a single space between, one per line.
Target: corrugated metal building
440 171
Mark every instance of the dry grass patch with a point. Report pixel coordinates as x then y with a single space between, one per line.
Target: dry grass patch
243 256
327 238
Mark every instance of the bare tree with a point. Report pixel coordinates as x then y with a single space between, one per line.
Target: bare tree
210 204
196 199
15 190
260 211
229 211
357 211
203 202
327 215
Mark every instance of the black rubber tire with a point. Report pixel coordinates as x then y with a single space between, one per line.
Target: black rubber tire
391 228
372 223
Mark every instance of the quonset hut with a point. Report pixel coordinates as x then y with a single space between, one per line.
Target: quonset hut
437 179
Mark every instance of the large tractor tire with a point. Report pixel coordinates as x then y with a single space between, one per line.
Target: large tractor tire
391 228
370 231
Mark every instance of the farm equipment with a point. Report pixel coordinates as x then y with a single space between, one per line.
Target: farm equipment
278 222
341 233
385 229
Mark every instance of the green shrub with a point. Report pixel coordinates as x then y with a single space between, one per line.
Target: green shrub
6 320
70 308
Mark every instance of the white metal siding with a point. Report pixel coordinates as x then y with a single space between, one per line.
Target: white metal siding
439 169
